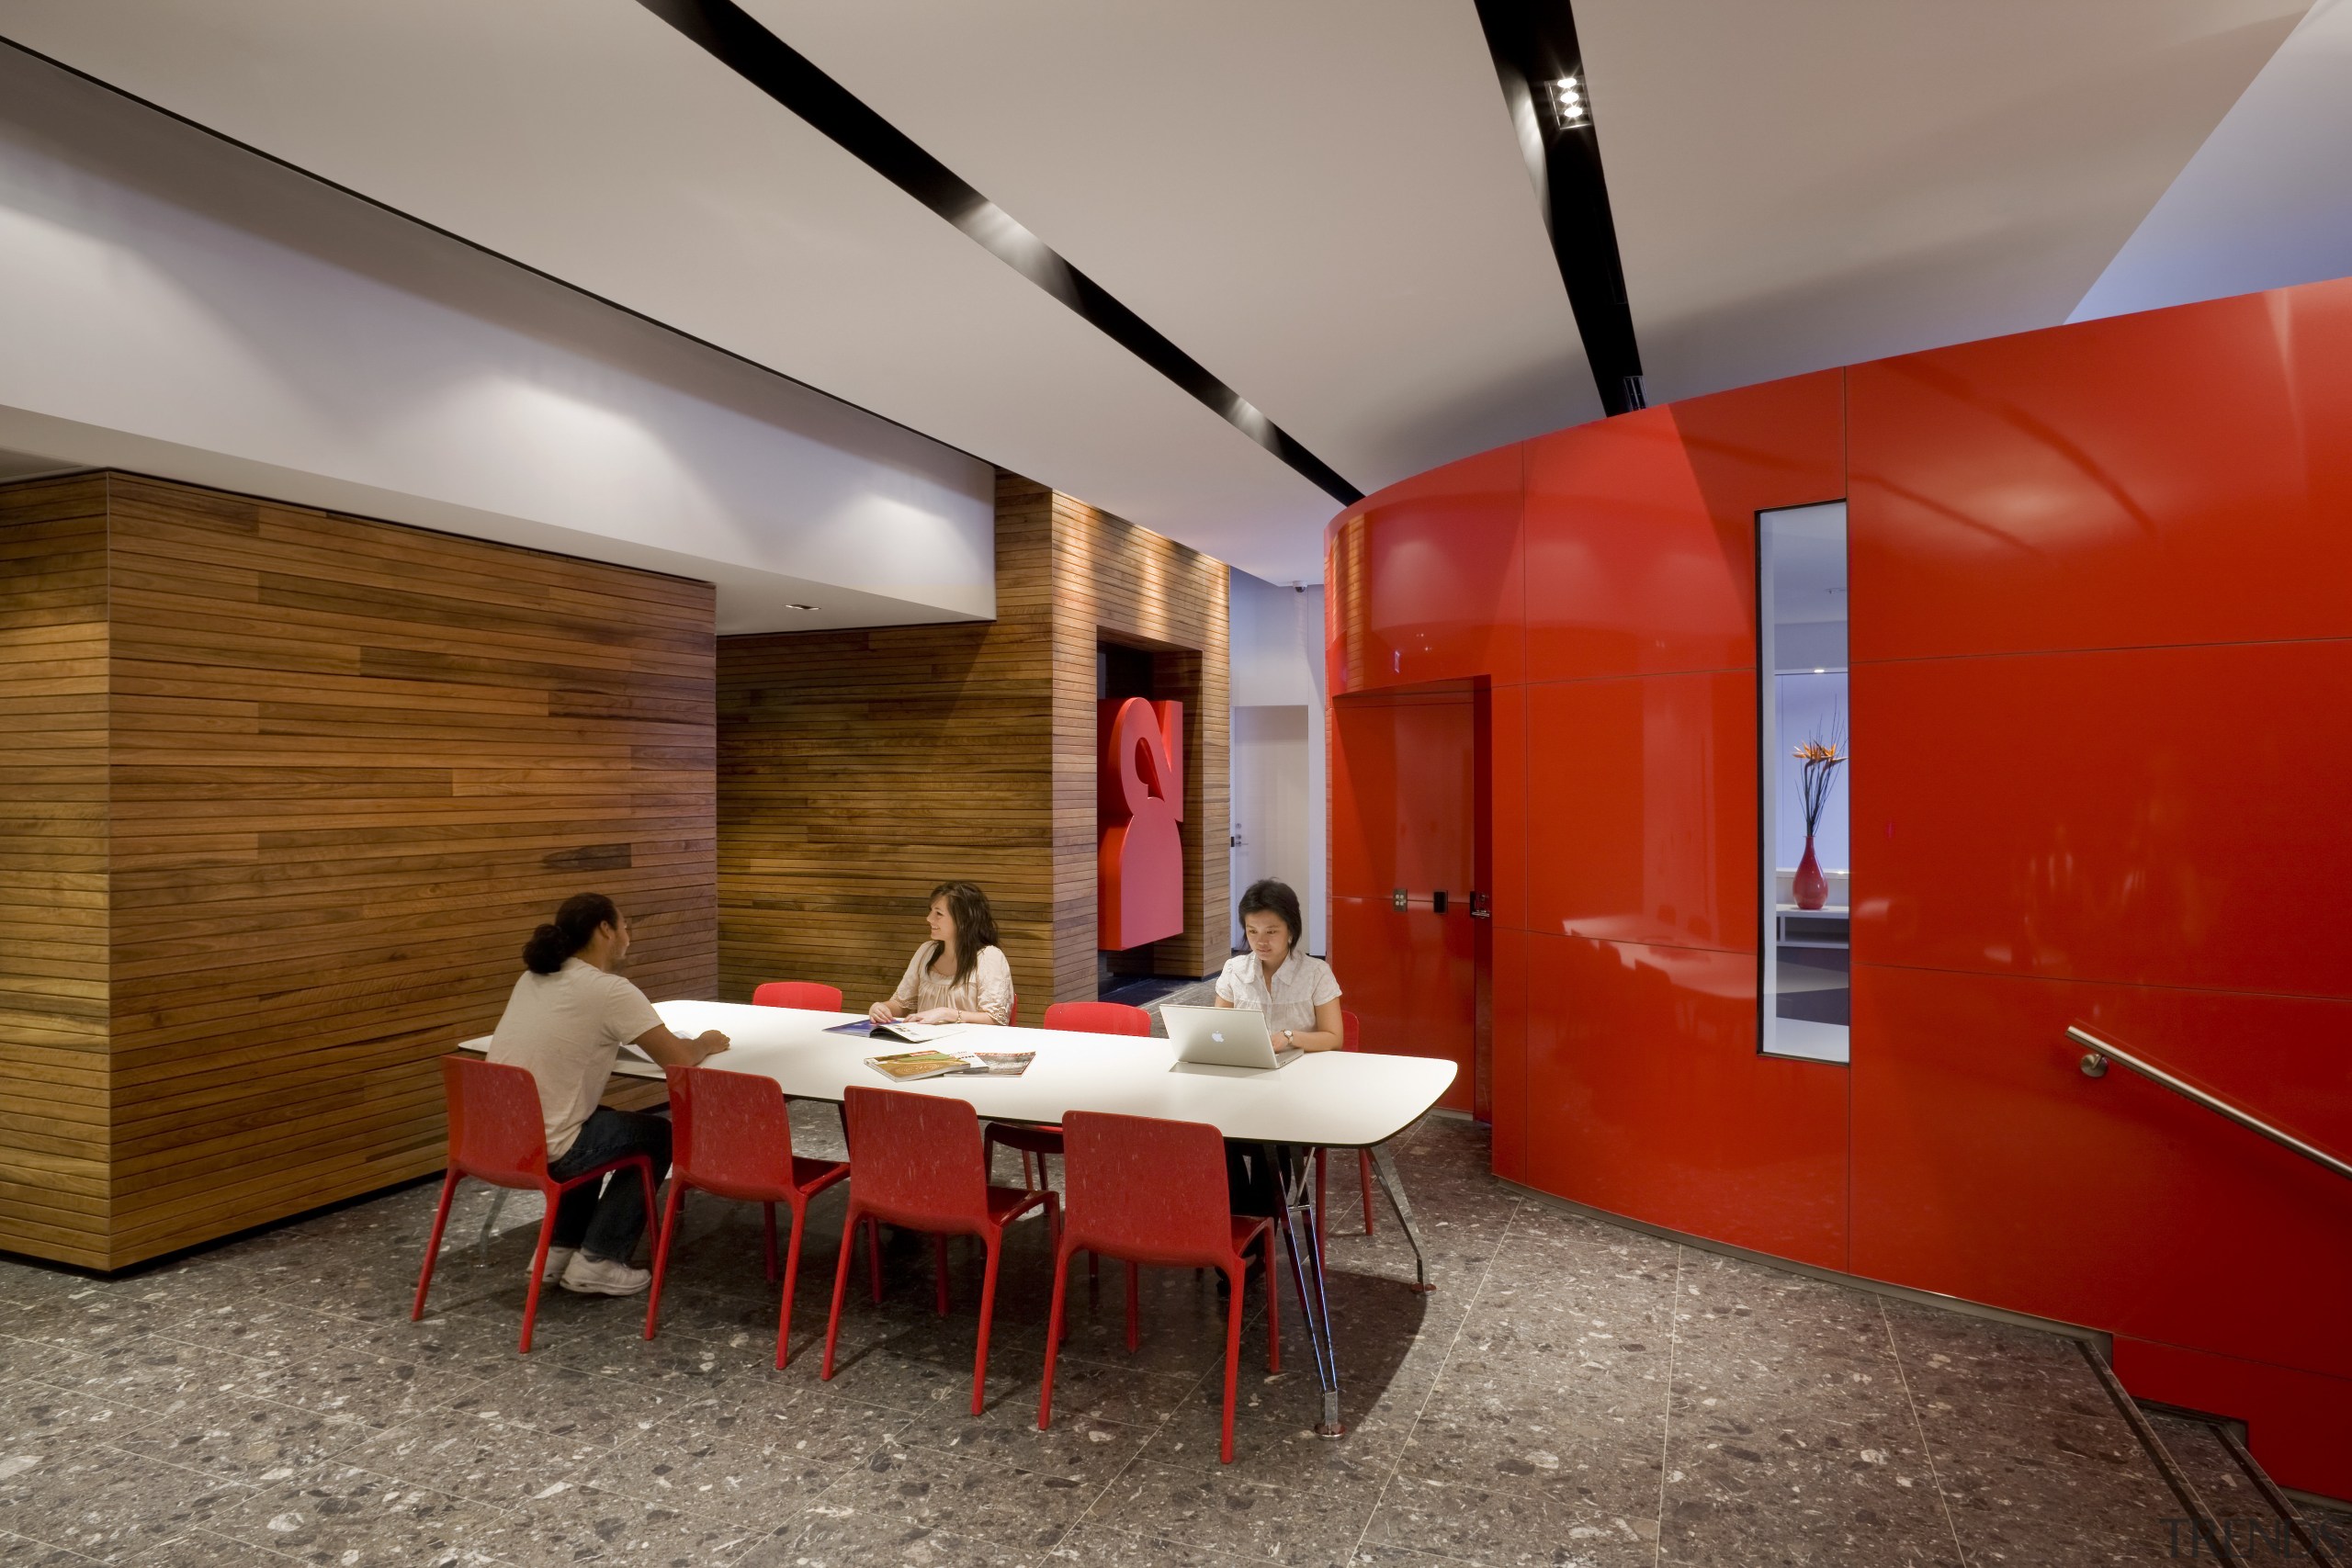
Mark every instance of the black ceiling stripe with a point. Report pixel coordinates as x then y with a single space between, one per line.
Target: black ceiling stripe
767 63
1534 45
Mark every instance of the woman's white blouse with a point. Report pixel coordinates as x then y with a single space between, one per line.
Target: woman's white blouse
1303 984
988 988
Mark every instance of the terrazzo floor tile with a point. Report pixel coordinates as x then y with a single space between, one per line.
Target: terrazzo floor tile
1314 1523
563 1402
250 1440
2066 1518
1812 1496
1505 1530
1092 1545
488 1462
964 1496
865 1538
575 1524
356 1518
102 1502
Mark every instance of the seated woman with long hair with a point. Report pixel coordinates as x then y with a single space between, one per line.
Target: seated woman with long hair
960 975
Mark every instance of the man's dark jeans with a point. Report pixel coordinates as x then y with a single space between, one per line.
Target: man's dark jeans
609 1227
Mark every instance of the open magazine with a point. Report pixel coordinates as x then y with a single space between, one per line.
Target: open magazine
900 1030
905 1066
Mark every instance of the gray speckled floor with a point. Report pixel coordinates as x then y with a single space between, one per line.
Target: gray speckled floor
1573 1394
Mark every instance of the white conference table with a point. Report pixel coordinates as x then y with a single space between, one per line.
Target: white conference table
1325 1100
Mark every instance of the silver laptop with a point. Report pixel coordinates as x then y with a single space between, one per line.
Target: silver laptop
1223 1037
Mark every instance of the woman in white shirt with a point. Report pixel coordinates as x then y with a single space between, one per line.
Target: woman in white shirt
1296 990
960 975
1300 998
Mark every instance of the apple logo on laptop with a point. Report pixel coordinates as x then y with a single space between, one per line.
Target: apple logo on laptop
1217 1035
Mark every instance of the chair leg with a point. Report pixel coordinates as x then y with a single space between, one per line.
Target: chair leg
1273 1310
1134 1336
1232 1358
538 1268
771 1242
873 1257
841 1284
673 1208
939 1273
1053 1338
791 1278
645 1174
994 1241
1364 1169
433 1247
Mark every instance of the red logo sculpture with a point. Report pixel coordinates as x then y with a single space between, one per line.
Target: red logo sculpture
1139 869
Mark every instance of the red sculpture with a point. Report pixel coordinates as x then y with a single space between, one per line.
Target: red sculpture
1139 868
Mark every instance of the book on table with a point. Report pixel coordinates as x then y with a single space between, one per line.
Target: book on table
905 1066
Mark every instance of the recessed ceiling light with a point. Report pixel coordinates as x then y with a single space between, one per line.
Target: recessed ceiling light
1569 110
801 607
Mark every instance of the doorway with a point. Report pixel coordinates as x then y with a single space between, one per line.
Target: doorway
1410 937
1270 804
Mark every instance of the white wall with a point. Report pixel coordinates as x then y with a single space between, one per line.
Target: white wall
1276 648
173 304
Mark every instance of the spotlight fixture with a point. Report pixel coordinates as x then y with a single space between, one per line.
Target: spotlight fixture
801 607
1569 110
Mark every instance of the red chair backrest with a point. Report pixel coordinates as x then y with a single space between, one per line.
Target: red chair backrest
807 995
1098 1018
495 1130
918 1156
1351 1031
1143 1188
730 1133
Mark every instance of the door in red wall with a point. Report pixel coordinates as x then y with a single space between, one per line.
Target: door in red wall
1406 806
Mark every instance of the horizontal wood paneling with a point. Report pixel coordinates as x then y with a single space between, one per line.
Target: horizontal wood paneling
858 769
349 765
53 961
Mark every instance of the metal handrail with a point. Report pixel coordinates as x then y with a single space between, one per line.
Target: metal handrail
2099 1053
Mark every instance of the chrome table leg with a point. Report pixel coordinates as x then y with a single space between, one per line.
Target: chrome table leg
1383 1164
1301 1230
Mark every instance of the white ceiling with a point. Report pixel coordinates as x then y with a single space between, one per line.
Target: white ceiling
1320 200
1801 184
2267 202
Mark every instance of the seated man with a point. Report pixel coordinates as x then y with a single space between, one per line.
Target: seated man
565 1022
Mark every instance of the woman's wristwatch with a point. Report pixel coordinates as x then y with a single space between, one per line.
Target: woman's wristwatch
1289 1042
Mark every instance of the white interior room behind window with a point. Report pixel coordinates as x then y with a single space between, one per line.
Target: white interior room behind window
1806 774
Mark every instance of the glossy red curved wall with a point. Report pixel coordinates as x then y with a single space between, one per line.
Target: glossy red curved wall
2101 648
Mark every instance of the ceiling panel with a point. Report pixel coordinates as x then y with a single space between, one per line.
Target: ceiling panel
1801 184
1322 200
588 139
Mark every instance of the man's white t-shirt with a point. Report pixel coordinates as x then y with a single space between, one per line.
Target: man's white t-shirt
566 1028
1303 984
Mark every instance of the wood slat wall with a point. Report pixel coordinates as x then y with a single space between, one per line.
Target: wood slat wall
857 768
350 765
53 1124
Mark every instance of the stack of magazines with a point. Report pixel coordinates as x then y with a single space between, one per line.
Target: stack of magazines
905 1066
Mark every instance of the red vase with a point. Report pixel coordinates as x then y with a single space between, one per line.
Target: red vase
1812 888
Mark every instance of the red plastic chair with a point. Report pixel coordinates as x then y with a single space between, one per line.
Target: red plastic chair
1153 1192
807 995
1082 1018
732 1138
1350 1039
496 1135
919 1167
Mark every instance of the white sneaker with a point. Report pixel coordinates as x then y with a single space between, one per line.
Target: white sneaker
559 1258
602 1277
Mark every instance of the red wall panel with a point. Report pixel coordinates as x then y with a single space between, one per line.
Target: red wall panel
1423 580
2296 1417
1647 1098
2179 475
2146 815
1641 530
1642 796
1987 1165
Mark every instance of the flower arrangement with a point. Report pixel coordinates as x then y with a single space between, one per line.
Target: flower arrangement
1822 758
